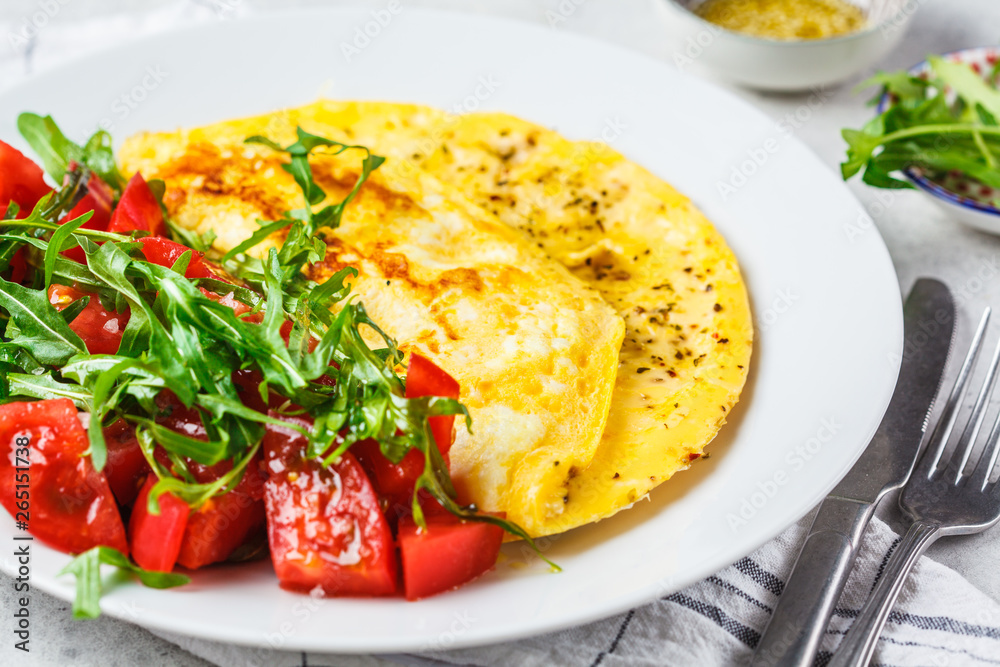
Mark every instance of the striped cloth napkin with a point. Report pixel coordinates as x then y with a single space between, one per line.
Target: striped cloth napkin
940 619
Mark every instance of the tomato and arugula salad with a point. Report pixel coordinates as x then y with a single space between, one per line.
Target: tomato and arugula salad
182 409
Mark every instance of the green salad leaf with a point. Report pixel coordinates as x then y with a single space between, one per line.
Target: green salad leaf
56 151
36 326
87 569
946 121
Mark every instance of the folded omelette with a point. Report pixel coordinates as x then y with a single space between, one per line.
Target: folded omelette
597 321
534 350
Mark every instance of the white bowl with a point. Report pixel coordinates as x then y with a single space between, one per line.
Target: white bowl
784 65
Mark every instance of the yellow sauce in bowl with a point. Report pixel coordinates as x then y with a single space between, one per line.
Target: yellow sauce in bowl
784 19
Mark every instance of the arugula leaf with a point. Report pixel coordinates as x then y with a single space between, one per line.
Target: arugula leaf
105 398
56 151
304 240
87 569
37 326
108 263
57 243
49 143
99 156
73 310
199 242
258 237
45 387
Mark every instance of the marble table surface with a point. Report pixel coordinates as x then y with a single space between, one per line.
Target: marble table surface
922 240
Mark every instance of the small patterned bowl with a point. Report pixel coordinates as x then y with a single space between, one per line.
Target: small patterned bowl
963 198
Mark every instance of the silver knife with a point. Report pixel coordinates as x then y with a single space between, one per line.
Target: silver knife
799 622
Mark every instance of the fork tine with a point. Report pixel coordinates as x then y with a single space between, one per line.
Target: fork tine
942 430
988 459
968 440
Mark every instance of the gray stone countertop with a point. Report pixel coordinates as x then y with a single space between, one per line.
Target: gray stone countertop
922 241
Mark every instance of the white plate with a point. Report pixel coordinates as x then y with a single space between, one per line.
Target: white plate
823 289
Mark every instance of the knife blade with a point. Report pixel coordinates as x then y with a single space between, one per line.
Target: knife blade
799 621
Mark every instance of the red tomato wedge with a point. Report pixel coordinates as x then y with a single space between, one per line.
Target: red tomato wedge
100 330
100 199
424 378
220 526
155 539
324 524
395 481
21 181
66 503
447 554
138 210
247 383
165 252
126 468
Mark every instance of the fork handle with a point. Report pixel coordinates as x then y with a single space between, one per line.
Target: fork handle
857 647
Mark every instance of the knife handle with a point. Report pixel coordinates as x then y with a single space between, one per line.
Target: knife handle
798 624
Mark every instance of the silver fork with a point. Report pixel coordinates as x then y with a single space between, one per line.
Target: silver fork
941 501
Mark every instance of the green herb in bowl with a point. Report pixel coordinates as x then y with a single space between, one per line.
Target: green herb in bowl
936 118
937 128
